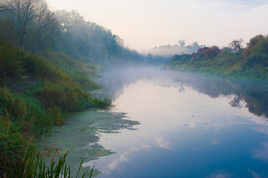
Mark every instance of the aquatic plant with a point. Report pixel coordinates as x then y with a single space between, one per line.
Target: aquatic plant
20 158
100 103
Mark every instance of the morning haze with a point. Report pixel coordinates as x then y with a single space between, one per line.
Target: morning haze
152 88
146 24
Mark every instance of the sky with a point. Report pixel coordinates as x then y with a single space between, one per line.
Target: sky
145 24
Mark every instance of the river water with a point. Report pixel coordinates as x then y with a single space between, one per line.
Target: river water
178 124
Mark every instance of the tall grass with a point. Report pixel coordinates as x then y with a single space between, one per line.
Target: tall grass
10 60
101 103
19 158
66 95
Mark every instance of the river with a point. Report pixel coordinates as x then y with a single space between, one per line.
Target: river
172 124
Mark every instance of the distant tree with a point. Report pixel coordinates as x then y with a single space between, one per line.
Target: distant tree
257 46
195 45
199 51
253 41
237 45
227 50
208 53
182 43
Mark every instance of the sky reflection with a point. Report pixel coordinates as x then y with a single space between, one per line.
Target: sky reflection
188 128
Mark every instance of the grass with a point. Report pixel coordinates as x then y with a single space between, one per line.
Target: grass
30 108
20 158
101 103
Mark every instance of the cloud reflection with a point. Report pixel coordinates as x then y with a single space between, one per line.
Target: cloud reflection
262 153
162 143
124 157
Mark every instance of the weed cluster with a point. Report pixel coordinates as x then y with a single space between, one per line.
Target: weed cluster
19 158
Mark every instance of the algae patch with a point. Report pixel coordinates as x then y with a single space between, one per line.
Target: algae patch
81 134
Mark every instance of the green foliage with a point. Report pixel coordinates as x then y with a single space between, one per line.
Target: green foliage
100 103
12 104
67 63
20 158
41 69
88 42
7 31
13 150
66 95
29 116
10 60
85 82
252 63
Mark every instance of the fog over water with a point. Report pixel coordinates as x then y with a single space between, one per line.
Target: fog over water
171 124
190 125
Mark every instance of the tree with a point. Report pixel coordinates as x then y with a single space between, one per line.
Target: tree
7 32
182 43
257 46
46 25
237 45
195 45
21 12
30 15
208 53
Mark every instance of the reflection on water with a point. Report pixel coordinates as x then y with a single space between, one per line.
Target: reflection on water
253 93
176 125
190 126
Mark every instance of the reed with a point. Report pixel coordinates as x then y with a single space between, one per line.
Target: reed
20 158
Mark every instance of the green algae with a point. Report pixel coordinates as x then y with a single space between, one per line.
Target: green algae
80 136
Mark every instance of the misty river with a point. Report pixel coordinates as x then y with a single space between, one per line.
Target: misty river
171 124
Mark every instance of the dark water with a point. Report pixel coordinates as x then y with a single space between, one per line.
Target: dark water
190 126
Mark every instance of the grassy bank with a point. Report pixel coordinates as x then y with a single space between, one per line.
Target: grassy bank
34 93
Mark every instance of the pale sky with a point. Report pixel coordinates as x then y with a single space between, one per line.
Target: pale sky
145 24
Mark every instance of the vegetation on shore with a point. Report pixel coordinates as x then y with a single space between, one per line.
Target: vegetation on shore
47 60
45 71
233 61
34 93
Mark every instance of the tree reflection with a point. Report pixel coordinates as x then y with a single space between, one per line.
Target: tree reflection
253 92
236 102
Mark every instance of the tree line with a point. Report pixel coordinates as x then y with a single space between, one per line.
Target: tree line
32 26
235 60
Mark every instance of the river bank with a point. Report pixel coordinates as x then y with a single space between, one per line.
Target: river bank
185 125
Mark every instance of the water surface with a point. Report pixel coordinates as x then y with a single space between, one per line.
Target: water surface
190 126
175 125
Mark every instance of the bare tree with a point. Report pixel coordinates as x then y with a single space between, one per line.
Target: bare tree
182 43
28 15
236 44
46 25
21 12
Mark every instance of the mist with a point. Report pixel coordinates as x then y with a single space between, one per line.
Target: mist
169 50
115 80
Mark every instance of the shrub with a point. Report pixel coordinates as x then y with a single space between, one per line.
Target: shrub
12 103
100 103
85 82
66 95
42 69
10 61
209 53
